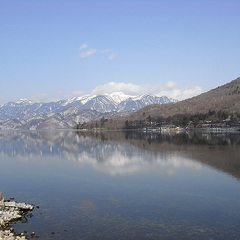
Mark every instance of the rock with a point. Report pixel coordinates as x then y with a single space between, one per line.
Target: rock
10 235
11 211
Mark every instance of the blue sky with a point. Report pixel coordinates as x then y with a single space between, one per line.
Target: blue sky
57 49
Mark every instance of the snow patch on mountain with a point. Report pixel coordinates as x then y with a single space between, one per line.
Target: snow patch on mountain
119 96
24 101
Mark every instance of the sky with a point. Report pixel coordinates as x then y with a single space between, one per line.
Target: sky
59 49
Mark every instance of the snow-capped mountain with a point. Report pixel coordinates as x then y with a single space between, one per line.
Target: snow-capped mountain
26 114
25 109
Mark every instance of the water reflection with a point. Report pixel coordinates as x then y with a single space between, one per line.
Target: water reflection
127 153
124 185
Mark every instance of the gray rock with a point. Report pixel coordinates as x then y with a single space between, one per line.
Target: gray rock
11 211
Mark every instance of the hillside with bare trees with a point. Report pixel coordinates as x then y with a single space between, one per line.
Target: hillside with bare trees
215 105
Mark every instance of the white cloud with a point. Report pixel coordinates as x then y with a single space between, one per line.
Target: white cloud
127 88
44 97
85 45
110 53
85 52
168 89
181 93
88 53
170 84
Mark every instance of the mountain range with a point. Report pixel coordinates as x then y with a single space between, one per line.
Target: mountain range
26 114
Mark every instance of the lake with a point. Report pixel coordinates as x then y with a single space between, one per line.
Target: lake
123 185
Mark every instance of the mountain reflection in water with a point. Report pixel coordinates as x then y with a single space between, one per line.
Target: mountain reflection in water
118 185
130 152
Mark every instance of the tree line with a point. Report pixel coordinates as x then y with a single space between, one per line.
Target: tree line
184 120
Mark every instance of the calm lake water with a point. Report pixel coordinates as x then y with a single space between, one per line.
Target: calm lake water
123 186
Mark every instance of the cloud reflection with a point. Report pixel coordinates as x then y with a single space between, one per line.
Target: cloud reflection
119 161
110 157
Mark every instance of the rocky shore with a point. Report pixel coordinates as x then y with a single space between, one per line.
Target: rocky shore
11 211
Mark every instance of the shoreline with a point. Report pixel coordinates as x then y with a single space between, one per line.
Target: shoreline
11 211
